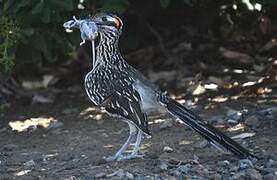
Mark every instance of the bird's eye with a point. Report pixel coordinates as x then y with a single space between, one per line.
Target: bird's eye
112 21
104 18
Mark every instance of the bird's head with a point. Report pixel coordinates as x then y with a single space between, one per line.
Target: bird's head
107 22
100 27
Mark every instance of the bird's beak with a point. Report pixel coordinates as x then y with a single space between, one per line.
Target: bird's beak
88 28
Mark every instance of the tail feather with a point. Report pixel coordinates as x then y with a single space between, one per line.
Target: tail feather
209 132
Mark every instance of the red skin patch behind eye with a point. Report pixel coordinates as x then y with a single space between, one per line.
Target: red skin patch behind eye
117 22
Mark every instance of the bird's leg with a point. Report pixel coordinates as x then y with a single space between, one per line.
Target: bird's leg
118 155
137 143
134 153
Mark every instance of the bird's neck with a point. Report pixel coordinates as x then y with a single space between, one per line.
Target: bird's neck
107 50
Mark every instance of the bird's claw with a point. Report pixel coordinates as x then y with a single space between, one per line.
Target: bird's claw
123 157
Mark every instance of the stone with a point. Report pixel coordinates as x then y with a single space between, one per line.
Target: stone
167 149
224 163
9 147
271 163
245 163
166 124
100 175
254 174
184 169
252 122
129 175
30 163
54 125
163 166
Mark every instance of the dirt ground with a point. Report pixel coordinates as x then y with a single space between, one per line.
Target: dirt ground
79 136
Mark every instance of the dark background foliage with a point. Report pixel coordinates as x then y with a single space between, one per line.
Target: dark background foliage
32 35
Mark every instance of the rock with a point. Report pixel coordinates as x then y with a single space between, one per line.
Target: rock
9 147
270 170
30 163
157 177
54 125
216 176
120 173
163 166
70 111
254 174
245 163
217 119
243 135
204 144
233 116
175 172
3 130
225 163
167 149
234 168
174 161
217 80
271 163
184 169
195 159
269 176
198 89
166 124
239 175
100 175
129 175
231 112
252 122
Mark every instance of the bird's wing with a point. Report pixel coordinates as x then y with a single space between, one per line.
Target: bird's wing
126 102
116 93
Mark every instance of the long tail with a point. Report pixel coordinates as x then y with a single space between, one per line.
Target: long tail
213 135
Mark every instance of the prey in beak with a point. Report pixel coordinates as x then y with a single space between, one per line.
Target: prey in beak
87 27
88 30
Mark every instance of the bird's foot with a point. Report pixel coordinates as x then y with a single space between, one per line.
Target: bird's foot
110 158
123 157
131 156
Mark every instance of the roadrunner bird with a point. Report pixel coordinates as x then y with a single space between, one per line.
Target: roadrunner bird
123 91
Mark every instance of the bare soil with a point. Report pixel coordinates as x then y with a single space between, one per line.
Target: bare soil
75 149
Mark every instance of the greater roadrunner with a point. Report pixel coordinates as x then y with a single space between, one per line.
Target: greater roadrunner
123 91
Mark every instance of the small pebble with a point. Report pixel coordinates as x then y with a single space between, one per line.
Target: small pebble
30 163
254 174
271 163
166 124
204 144
163 166
129 175
269 176
54 125
167 149
100 175
252 121
70 111
184 169
3 130
120 173
245 163
224 163
9 147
